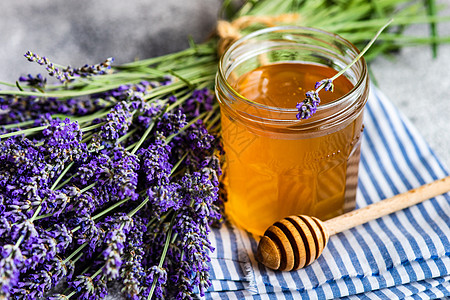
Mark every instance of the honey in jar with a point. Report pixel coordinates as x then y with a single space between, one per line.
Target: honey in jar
276 165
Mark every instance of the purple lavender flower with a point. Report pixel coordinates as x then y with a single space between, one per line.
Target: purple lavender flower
155 162
118 121
37 81
89 232
157 276
167 79
118 227
192 269
150 112
327 83
115 171
87 70
83 203
60 74
100 289
163 198
182 281
114 241
10 264
61 235
192 228
84 286
46 245
63 141
68 73
36 58
35 284
88 288
201 100
55 202
14 109
99 176
197 188
309 106
197 138
122 175
132 271
25 229
5 228
170 123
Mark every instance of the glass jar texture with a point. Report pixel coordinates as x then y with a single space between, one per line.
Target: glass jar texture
276 165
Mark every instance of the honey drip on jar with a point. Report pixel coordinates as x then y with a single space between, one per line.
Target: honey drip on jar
269 178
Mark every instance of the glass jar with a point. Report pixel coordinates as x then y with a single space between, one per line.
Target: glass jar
276 165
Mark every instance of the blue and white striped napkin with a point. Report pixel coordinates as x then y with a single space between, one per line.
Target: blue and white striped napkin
405 255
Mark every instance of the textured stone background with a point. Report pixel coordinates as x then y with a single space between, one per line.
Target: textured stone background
84 31
420 86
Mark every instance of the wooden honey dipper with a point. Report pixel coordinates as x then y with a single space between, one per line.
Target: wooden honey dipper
296 241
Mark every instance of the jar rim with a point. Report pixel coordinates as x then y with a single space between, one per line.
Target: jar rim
322 107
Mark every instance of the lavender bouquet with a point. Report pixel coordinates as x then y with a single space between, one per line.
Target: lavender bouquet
109 183
113 173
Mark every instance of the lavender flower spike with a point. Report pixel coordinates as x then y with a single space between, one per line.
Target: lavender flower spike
326 83
68 73
309 106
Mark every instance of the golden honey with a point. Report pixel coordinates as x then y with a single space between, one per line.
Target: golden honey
278 166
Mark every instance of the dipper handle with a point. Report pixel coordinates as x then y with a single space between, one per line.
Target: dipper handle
387 206
296 241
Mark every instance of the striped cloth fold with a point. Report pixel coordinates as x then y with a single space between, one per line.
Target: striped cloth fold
405 255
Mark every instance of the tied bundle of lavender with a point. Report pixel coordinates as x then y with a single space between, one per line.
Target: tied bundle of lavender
112 175
100 184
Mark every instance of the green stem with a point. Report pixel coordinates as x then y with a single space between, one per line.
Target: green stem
64 94
16 125
178 163
155 60
86 137
43 216
161 219
92 127
24 131
167 89
143 138
104 212
210 113
431 5
77 258
61 176
127 135
179 101
213 122
141 205
358 57
131 146
94 116
88 187
75 253
163 257
71 294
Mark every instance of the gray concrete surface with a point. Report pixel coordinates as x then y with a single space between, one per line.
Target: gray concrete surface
84 31
419 85
78 32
